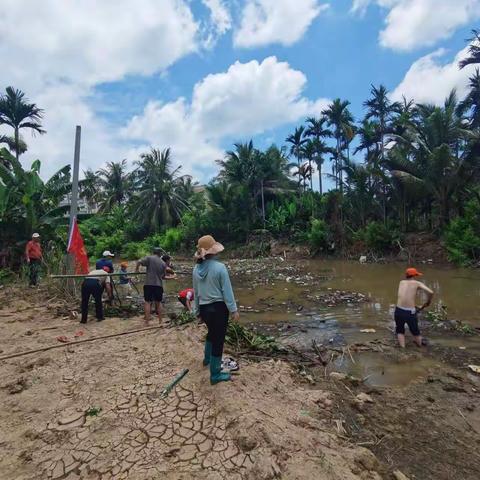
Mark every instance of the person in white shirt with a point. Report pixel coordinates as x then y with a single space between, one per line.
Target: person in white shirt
93 285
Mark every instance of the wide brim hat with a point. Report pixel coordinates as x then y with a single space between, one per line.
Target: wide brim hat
207 245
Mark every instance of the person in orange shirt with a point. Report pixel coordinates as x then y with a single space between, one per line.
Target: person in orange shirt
33 256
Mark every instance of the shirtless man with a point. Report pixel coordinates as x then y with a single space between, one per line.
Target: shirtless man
406 311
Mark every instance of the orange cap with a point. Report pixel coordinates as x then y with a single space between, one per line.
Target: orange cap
413 272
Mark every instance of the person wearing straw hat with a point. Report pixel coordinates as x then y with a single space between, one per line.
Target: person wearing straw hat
406 310
33 256
213 303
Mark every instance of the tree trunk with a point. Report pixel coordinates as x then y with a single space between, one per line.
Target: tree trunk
319 166
17 141
311 173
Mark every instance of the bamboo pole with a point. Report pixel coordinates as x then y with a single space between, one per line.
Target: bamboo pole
70 344
95 276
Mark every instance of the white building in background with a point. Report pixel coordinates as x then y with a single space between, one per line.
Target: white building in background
83 207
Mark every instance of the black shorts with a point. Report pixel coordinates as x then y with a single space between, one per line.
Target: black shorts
152 293
183 301
403 317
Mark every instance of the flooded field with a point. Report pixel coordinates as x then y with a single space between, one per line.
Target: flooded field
287 300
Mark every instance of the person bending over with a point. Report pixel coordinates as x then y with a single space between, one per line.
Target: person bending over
406 311
93 285
185 297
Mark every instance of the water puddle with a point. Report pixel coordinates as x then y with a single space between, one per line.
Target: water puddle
380 371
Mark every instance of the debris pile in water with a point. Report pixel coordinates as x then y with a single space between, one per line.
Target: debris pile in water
339 297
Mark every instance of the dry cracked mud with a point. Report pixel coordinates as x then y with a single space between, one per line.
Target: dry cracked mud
94 410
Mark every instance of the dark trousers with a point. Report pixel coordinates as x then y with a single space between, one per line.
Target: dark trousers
94 288
215 315
33 269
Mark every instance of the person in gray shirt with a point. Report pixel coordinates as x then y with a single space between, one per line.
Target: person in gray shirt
153 288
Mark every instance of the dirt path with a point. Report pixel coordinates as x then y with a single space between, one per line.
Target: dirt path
264 425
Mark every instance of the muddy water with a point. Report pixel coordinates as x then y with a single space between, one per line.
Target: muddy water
284 307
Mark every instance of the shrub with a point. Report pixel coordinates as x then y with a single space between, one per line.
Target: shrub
114 243
135 250
462 241
378 236
172 239
318 236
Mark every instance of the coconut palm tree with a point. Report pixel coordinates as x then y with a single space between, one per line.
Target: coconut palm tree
89 188
473 50
433 155
340 118
238 166
16 112
115 182
471 103
157 200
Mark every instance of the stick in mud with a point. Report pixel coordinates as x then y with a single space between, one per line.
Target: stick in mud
164 393
63 345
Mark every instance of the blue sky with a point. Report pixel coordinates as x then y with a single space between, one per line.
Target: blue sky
198 75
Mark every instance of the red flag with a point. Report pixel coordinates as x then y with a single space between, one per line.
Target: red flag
77 248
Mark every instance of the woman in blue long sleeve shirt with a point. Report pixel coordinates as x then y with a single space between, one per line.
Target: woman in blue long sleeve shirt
214 302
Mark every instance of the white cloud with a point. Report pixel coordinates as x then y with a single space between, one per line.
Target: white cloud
418 23
248 99
58 52
264 22
219 14
430 81
87 42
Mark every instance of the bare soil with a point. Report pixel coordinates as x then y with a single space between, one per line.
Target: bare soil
93 410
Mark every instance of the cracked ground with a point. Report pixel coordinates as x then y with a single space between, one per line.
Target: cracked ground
95 410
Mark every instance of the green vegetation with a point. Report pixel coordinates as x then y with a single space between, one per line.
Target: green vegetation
402 168
93 411
243 338
182 318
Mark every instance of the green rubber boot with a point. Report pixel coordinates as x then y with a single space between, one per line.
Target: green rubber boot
207 353
216 374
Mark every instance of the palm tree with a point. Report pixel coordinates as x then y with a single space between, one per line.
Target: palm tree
473 50
157 199
433 155
340 118
471 103
308 152
16 112
304 173
297 141
380 108
256 172
89 188
238 166
317 131
114 181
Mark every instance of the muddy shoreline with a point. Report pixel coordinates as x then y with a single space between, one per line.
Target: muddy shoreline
326 404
